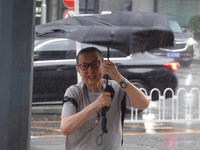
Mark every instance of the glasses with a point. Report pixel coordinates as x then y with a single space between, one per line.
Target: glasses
85 66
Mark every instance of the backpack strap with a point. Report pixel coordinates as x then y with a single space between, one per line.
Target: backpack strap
123 110
68 99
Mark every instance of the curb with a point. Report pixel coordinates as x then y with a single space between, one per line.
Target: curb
47 109
196 61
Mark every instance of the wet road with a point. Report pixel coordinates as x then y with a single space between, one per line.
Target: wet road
163 136
189 77
46 135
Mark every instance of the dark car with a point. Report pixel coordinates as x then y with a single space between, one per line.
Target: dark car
182 51
61 48
54 69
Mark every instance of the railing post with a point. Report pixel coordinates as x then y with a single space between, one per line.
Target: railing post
164 95
191 91
175 109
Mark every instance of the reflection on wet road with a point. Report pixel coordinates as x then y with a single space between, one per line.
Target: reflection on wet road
145 136
152 128
42 129
189 76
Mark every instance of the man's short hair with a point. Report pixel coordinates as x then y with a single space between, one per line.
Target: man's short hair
88 50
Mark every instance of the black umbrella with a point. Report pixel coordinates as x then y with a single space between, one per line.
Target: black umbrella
126 31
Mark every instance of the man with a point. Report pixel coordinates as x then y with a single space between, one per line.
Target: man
81 114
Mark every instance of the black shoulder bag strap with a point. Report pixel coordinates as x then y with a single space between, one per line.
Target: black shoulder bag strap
123 110
68 99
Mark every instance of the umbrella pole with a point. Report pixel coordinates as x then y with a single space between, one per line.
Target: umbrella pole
108 56
108 53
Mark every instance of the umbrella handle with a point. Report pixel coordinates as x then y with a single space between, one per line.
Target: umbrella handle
105 109
108 55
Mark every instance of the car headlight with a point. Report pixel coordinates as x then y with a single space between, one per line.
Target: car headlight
190 41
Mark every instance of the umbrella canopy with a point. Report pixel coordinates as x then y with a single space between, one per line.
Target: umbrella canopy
129 32
126 31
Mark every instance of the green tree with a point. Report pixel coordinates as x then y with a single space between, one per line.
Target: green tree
194 23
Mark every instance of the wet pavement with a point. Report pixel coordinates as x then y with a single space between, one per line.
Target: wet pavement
163 136
46 134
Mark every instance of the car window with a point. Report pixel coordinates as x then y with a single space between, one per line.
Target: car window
104 50
56 45
175 26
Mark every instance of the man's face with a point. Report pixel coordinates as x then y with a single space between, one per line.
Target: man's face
92 76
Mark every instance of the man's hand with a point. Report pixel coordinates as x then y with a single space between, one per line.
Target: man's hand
103 100
109 68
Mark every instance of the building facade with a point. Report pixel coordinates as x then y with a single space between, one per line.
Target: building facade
181 10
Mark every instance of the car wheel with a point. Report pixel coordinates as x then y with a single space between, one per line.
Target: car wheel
140 84
185 63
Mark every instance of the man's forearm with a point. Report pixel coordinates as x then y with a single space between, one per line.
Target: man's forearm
70 124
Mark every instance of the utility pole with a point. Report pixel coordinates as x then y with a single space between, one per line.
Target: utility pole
76 3
78 46
16 69
44 12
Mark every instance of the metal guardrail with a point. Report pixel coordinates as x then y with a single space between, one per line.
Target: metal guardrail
182 106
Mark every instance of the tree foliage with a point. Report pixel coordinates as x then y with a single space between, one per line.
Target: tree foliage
194 23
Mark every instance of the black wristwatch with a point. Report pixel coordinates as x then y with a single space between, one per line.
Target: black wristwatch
123 84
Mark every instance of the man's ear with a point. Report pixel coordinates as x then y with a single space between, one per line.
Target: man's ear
77 69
